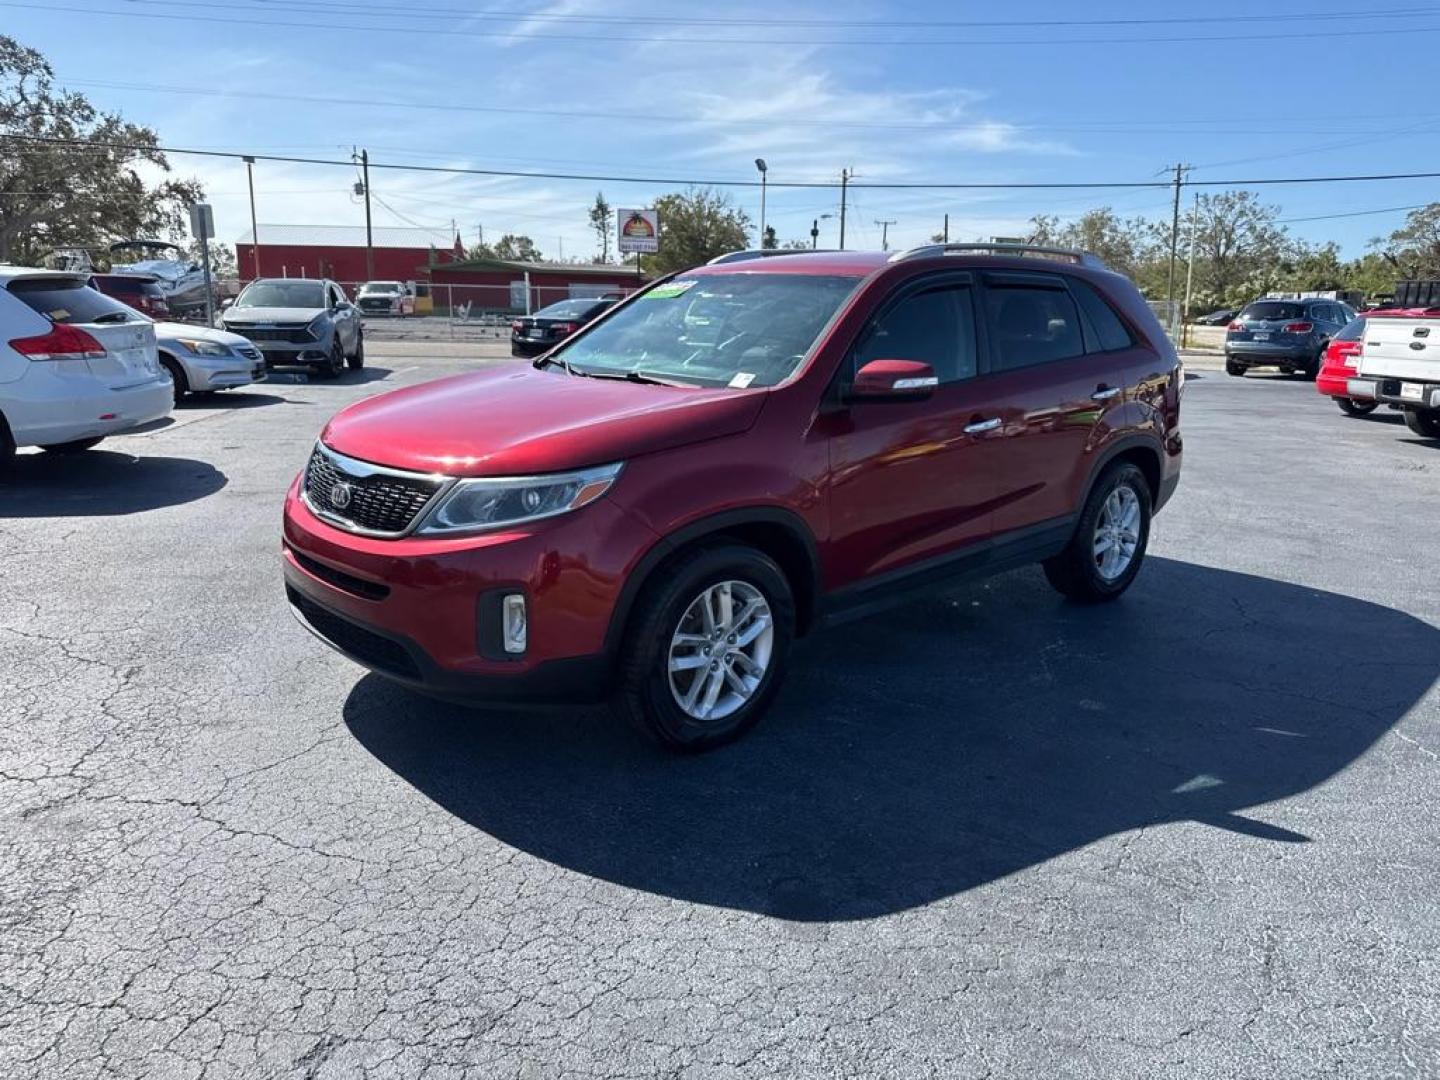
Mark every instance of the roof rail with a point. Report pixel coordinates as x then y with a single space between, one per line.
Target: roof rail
1031 251
758 253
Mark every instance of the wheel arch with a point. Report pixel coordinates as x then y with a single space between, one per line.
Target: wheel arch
781 534
1145 454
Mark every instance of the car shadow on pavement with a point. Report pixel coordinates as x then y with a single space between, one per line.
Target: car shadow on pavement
102 483
229 399
939 747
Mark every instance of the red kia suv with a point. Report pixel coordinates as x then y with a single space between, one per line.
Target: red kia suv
735 456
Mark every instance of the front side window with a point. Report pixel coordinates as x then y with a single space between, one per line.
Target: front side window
936 327
736 329
297 294
1031 325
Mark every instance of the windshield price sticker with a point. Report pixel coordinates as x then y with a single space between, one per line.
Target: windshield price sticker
670 290
742 379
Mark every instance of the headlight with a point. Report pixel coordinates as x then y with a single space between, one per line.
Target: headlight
203 348
490 504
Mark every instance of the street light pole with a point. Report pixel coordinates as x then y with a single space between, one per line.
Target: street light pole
844 191
254 228
764 177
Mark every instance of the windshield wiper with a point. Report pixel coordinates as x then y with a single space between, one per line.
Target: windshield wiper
114 316
540 364
638 377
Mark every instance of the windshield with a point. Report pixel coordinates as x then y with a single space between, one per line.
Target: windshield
1273 309
742 329
299 294
566 309
379 287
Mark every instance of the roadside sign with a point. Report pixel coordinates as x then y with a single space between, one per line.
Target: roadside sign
638 231
202 221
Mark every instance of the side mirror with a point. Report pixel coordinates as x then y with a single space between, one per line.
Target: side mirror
893 380
228 302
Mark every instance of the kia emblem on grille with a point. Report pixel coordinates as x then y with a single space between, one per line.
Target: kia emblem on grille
340 496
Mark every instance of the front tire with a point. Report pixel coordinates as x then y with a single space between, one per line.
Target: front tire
1351 407
177 378
1108 546
1232 368
76 446
357 361
706 650
1426 424
333 367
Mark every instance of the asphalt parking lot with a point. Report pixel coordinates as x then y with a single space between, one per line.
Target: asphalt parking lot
1191 834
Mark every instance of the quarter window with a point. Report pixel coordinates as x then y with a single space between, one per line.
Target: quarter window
1031 325
1108 328
936 327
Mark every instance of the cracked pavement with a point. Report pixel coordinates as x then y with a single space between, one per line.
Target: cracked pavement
1192 834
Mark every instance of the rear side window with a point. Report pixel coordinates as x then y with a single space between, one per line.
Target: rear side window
1031 325
936 327
1108 328
1273 309
1354 331
65 300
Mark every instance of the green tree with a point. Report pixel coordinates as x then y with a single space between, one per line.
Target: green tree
768 241
54 195
695 226
222 258
1240 252
1125 246
517 248
600 221
1372 274
1414 248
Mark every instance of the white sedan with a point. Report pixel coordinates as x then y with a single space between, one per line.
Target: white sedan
201 360
75 365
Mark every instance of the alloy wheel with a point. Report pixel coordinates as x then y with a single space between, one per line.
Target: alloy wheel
1117 533
720 650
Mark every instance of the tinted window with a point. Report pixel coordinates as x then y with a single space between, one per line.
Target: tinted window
66 300
935 327
1031 326
1103 320
1354 331
1273 309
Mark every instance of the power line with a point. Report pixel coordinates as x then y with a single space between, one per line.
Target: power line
391 29
1350 214
1048 185
1153 127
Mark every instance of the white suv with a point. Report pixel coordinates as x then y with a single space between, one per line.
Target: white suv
75 365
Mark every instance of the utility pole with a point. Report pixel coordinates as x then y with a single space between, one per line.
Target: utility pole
1174 240
844 191
369 238
764 177
884 232
1189 273
946 232
254 228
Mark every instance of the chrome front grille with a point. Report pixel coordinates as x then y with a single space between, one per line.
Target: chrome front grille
288 335
375 500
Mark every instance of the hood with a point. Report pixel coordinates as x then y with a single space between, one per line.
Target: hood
169 331
519 421
258 316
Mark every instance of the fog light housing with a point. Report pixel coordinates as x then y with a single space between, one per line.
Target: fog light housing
513 623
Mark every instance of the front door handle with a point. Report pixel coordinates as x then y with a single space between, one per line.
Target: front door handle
1104 393
979 427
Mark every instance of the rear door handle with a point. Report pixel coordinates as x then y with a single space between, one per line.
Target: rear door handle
1105 393
979 427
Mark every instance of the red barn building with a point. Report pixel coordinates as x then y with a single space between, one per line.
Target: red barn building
338 252
501 285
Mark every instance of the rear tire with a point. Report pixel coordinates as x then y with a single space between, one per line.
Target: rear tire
1232 368
665 660
7 447
1426 424
1351 407
1118 511
177 377
75 446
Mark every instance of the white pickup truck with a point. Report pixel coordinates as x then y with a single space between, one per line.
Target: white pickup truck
1400 365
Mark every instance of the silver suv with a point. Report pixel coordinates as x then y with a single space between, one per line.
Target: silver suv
301 321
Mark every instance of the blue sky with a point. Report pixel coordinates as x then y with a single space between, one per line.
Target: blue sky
900 92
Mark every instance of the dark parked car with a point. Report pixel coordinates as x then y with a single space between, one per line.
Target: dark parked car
1216 318
534 334
1288 334
134 290
740 454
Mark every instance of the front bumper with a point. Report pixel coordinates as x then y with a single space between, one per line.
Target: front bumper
222 372
418 609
